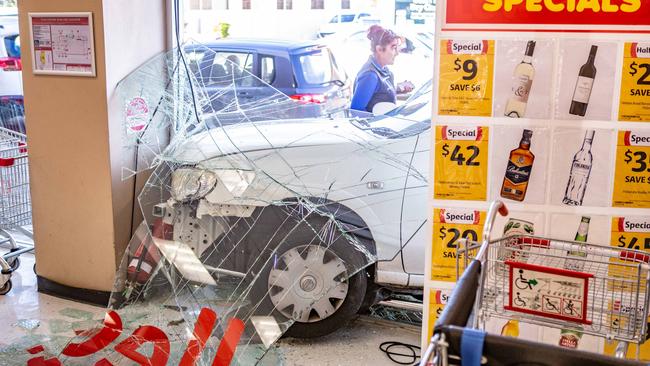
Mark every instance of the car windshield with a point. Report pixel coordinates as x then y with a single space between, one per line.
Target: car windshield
318 67
411 118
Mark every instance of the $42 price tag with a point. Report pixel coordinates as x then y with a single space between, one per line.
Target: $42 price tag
461 163
635 83
466 69
450 225
632 177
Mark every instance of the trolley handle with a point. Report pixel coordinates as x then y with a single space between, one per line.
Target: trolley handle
495 207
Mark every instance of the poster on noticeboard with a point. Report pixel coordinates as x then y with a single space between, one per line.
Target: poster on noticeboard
560 92
62 44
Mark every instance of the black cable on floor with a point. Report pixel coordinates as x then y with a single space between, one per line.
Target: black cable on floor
408 354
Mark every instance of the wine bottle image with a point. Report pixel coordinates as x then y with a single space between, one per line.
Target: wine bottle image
580 171
523 81
520 165
584 84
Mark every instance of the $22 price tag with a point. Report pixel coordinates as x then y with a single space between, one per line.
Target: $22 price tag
461 155
632 177
450 225
635 83
465 82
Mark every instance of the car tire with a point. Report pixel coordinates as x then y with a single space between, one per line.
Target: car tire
256 246
356 290
5 288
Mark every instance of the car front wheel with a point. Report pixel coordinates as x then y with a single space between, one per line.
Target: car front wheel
317 286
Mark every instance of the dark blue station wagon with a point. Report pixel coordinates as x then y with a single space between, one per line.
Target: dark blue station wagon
303 70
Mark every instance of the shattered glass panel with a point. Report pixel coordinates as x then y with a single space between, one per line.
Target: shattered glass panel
262 214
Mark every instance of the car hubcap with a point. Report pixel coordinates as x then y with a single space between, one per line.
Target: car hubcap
308 284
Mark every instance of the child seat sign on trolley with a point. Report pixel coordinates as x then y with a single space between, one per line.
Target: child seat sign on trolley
549 292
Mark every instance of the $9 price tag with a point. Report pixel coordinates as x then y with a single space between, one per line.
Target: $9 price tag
635 83
461 163
449 226
632 177
466 69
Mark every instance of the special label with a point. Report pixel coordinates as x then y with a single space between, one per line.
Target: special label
631 232
461 156
632 177
466 72
635 83
450 225
437 301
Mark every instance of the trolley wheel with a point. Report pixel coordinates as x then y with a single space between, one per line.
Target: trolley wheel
14 263
6 288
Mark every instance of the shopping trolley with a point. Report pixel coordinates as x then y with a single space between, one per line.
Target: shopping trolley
15 204
592 289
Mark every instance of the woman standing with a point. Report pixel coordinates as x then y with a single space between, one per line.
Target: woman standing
375 82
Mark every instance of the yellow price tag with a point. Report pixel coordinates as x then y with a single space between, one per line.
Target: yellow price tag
450 225
437 301
635 83
632 177
631 232
465 81
461 156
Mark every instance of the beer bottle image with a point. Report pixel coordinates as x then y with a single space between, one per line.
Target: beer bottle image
570 338
523 75
520 165
580 171
581 236
584 84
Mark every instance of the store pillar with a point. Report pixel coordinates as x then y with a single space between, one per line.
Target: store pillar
82 208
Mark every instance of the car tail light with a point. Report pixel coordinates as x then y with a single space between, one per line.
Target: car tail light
10 64
309 98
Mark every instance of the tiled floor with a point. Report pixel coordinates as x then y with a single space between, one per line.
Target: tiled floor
29 318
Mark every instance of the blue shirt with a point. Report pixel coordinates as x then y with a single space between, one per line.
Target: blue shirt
373 84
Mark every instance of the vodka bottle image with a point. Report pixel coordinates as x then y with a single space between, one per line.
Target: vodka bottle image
523 75
584 84
580 170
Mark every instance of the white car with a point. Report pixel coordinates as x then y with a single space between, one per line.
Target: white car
283 189
346 22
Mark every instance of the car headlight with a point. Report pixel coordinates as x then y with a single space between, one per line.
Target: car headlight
236 181
192 183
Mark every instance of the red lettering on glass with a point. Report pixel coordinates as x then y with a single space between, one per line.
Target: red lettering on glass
109 332
144 334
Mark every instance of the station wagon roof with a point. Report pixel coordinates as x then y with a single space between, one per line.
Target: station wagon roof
262 44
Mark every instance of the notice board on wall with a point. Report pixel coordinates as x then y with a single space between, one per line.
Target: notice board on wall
62 44
545 106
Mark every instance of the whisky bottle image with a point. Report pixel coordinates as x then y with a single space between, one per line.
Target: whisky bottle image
584 84
523 75
520 165
580 171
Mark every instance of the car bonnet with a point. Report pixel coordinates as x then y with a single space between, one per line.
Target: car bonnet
244 138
